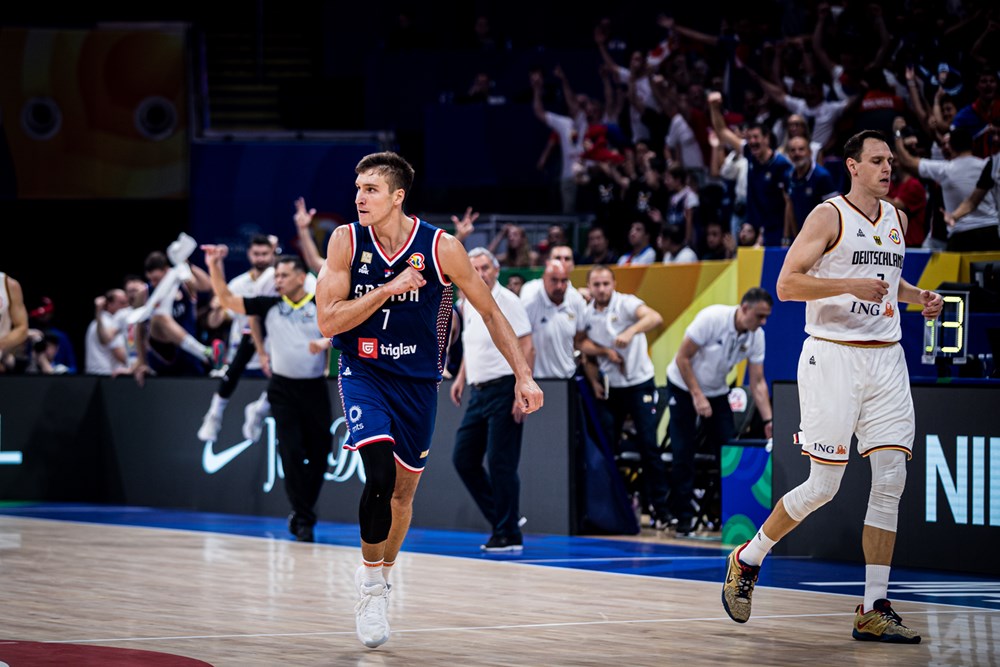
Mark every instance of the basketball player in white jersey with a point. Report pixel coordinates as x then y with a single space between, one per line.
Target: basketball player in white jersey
13 320
846 264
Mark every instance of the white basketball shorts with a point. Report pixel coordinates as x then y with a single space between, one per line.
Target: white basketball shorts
847 389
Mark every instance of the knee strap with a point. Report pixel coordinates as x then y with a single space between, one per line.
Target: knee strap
818 489
888 482
375 510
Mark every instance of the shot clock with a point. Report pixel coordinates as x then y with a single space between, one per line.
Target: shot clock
946 336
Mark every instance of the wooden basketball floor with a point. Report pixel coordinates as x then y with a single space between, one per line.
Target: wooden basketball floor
229 599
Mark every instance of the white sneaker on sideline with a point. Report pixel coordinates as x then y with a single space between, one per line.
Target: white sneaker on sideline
370 612
253 421
210 426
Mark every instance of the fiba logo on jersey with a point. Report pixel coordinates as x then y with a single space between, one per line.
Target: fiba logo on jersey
894 236
368 348
416 260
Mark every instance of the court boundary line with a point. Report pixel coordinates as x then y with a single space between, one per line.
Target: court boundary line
484 628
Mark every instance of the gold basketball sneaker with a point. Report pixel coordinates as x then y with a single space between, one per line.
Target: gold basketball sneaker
737 591
882 624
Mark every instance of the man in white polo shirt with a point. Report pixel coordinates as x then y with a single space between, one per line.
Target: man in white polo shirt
615 333
556 314
718 338
493 422
564 254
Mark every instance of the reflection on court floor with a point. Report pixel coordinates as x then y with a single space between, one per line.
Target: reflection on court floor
702 560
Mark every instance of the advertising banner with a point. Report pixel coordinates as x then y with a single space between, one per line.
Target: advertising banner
103 440
950 511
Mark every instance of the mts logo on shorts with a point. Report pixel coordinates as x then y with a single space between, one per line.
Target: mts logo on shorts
368 348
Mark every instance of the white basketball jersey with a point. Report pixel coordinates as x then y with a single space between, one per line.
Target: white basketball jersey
6 324
864 249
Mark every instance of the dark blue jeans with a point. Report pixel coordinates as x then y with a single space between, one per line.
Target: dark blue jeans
489 431
684 423
640 402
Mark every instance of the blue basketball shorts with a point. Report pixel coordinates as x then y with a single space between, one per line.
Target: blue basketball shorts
383 406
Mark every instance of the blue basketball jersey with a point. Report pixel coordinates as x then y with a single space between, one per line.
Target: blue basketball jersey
408 335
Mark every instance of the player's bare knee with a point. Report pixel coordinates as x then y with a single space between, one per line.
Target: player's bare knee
888 482
819 489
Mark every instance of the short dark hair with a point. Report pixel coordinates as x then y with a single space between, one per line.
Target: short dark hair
295 261
757 295
854 145
960 139
672 233
548 253
397 172
156 260
645 226
765 131
987 70
260 239
600 267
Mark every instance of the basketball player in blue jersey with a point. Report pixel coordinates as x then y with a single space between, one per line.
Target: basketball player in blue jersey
384 295
846 264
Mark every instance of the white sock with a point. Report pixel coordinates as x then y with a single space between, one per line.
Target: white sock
191 344
219 404
372 575
754 551
387 568
876 585
263 405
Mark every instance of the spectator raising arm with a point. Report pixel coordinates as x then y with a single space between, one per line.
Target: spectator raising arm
307 244
975 198
906 159
727 136
465 226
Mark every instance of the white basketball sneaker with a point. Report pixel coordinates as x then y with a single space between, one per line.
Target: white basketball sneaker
253 420
370 612
210 426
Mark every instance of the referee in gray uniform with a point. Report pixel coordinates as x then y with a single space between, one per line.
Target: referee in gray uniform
298 392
